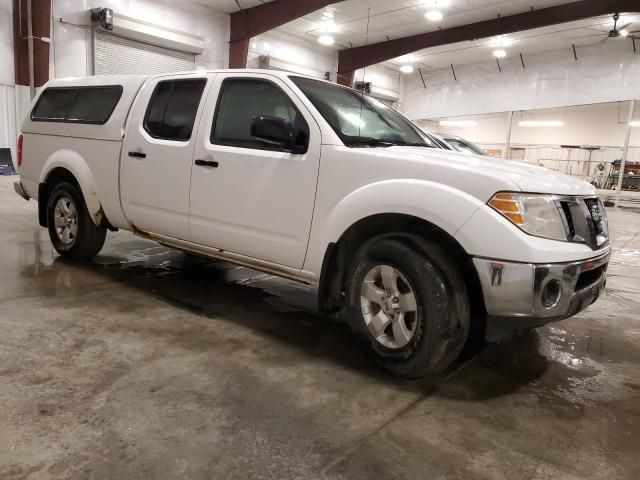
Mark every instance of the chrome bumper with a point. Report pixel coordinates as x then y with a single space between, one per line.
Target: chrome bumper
526 295
17 186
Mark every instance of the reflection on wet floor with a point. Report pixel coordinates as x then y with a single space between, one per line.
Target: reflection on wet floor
148 362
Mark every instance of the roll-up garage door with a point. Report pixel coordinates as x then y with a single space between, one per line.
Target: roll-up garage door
116 55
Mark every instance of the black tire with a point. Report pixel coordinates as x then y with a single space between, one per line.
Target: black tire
89 238
440 325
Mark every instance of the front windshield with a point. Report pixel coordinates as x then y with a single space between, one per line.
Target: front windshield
360 120
464 146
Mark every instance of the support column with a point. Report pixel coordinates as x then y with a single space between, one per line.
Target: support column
238 53
31 23
346 78
625 150
507 143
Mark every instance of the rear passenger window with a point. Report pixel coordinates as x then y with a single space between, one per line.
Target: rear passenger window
172 109
92 105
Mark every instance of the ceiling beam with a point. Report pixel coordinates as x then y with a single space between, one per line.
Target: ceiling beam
352 59
253 21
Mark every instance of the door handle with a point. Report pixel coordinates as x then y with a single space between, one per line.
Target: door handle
206 163
138 154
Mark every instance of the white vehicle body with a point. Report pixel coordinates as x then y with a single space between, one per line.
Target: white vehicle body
282 212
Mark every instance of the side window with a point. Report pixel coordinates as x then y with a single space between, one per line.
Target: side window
92 105
240 100
172 109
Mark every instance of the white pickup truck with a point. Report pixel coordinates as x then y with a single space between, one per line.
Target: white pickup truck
415 245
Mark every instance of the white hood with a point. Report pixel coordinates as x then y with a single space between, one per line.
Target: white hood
527 177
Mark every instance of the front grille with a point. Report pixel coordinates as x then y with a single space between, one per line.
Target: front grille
590 277
596 211
585 220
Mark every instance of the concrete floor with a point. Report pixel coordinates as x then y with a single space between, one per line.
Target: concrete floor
149 364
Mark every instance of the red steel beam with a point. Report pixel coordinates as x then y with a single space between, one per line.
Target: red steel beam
40 18
352 59
262 18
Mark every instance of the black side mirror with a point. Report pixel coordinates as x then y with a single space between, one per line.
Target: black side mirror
276 131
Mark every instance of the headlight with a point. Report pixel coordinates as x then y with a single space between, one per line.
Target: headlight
536 214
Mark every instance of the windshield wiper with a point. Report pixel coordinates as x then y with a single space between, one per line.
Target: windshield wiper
379 142
369 142
413 144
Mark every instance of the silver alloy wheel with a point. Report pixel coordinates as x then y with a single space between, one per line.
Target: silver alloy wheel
389 306
65 218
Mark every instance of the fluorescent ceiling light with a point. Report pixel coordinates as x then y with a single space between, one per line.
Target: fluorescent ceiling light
405 59
635 123
326 40
499 53
458 123
406 68
541 123
328 27
501 41
434 15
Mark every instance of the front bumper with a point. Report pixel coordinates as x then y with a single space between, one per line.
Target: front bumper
520 296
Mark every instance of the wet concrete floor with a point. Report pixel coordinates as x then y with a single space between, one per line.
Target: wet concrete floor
147 363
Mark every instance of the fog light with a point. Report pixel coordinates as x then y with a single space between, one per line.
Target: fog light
551 293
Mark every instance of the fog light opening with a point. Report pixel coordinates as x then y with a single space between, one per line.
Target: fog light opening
551 294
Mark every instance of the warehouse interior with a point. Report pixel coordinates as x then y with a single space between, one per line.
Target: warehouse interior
147 362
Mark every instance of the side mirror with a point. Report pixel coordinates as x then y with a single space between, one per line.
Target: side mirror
277 132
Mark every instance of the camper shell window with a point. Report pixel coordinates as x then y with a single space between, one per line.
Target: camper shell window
92 105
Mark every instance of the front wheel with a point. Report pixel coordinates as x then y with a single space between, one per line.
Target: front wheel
407 302
71 229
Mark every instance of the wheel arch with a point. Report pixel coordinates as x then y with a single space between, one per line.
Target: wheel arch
67 165
335 265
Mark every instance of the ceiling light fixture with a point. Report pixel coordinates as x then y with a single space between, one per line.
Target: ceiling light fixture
434 15
635 123
406 68
501 41
326 40
500 53
458 123
541 123
624 32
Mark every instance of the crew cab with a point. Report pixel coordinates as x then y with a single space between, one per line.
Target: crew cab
414 245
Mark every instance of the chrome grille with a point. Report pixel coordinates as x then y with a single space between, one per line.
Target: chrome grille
585 220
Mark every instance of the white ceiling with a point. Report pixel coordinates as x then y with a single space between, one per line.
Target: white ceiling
230 6
581 33
403 18
388 20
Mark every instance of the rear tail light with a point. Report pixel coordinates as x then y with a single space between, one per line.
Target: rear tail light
20 150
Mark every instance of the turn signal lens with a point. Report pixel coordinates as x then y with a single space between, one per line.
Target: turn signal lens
508 205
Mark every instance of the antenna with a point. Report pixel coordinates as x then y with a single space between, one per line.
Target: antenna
364 69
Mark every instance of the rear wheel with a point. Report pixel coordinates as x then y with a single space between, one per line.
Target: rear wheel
71 229
408 303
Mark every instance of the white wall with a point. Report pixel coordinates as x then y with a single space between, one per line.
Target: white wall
384 80
300 55
6 42
603 73
10 96
71 44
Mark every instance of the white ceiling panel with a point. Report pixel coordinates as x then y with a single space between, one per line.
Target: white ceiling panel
403 18
230 6
389 20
